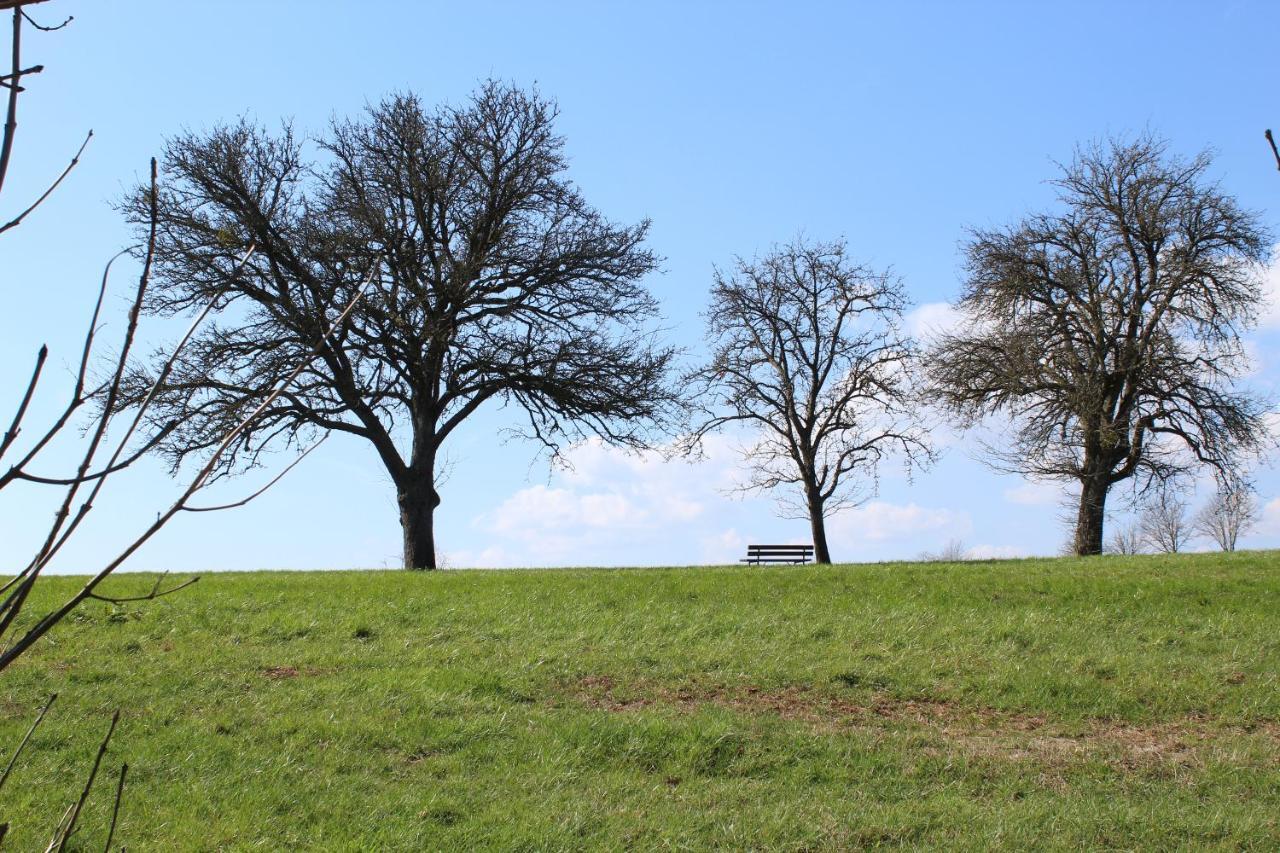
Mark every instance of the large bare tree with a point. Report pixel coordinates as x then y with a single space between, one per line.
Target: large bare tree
1109 332
494 281
809 352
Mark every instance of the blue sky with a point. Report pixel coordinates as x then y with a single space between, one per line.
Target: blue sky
731 125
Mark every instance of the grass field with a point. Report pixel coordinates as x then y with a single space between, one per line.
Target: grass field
1051 704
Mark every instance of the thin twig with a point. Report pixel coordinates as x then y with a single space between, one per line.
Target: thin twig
1274 150
30 732
57 536
13 78
47 29
155 591
16 426
115 810
127 462
75 161
25 579
8 655
277 478
108 405
57 834
11 117
88 785
78 396
13 604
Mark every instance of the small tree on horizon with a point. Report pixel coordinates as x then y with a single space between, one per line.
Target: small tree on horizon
1125 540
1232 511
1164 524
808 351
952 551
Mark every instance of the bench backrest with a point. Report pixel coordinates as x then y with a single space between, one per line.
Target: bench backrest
779 550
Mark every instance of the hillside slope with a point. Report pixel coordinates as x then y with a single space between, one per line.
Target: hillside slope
1120 702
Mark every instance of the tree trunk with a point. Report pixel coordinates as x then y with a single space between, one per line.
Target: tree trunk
1093 505
418 502
819 525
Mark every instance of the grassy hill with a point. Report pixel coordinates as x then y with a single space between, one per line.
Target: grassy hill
1113 702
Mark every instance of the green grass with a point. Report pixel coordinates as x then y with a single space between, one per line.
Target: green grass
1050 704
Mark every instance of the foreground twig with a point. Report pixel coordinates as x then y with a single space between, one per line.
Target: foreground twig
14 760
42 627
59 842
277 478
75 161
13 81
154 594
115 809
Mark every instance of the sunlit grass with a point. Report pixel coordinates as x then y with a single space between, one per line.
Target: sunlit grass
1118 702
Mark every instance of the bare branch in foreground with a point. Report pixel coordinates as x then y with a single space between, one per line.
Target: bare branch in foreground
15 427
23 745
75 161
277 478
68 827
49 620
115 808
155 592
47 28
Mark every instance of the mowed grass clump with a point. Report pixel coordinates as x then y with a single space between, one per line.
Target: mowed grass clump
1054 704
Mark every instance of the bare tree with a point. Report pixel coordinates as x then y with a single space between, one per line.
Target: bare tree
1125 540
954 551
809 351
1164 524
1232 510
494 281
1110 333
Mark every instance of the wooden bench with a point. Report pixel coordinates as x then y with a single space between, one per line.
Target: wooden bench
757 554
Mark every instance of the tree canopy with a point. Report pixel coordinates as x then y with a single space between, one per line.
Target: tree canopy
492 279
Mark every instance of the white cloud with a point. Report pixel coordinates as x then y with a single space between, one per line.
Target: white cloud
880 521
607 506
1269 315
724 547
539 509
1269 524
1272 421
933 319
